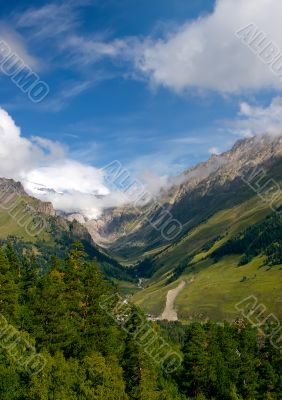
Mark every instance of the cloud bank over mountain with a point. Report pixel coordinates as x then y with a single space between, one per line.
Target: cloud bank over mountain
257 120
47 172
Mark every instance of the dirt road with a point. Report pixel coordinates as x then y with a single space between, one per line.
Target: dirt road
169 312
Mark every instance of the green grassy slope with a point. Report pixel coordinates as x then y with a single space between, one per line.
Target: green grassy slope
216 289
222 225
194 207
14 220
216 286
56 237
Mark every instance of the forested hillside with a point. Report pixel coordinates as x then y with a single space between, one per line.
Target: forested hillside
83 353
263 238
34 225
86 354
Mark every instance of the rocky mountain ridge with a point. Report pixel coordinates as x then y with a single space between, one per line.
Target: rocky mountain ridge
10 189
194 196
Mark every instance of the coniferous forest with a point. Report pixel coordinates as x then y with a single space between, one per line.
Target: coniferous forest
82 353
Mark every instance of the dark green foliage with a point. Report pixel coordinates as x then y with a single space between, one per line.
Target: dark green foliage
195 363
91 356
245 260
262 238
132 368
207 246
179 270
59 248
88 355
145 268
173 331
274 253
9 268
226 362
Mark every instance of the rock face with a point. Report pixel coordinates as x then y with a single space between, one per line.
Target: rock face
13 193
114 223
76 217
10 189
46 208
10 186
192 197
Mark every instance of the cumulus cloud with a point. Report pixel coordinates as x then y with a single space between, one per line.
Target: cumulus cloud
46 172
206 54
17 154
256 120
203 54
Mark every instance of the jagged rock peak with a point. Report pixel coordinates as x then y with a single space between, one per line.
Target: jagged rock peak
12 186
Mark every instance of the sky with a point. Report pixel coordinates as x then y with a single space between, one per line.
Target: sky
158 85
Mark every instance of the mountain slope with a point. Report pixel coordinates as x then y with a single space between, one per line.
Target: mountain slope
244 261
218 203
37 225
196 196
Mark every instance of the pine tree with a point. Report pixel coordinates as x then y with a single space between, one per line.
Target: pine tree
8 289
194 375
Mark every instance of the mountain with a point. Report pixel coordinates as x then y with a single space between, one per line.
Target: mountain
37 224
221 204
192 198
21 214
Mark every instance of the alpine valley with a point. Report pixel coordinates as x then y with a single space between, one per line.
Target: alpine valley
227 208
194 293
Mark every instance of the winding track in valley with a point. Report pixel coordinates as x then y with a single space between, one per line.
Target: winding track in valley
169 313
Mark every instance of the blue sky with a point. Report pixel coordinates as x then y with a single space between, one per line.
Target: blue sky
116 116
157 84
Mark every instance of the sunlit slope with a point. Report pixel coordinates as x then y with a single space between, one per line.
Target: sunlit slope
216 289
222 183
35 222
23 217
217 286
212 233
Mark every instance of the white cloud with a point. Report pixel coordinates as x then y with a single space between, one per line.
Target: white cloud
153 183
257 120
84 51
53 28
46 171
17 154
214 151
203 54
58 22
70 176
206 54
50 19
